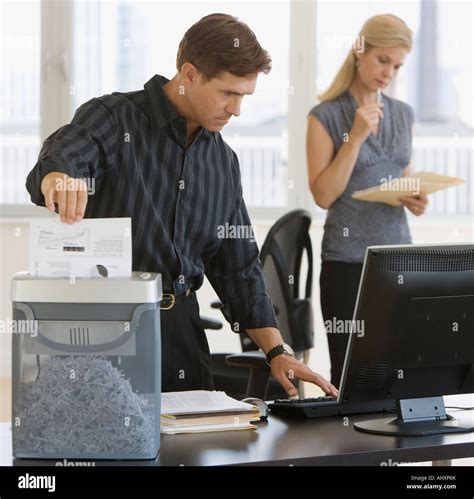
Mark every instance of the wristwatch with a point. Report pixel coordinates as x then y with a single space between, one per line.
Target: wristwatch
278 350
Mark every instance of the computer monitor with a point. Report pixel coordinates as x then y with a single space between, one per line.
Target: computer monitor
412 336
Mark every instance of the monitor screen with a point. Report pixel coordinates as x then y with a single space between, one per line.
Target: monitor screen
412 336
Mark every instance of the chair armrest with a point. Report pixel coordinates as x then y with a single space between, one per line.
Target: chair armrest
208 323
254 359
259 372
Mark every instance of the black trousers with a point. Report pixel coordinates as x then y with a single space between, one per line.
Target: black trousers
184 349
339 283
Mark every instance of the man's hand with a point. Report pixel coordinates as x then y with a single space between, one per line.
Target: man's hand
416 204
69 193
287 369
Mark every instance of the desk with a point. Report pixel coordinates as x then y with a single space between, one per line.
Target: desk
318 442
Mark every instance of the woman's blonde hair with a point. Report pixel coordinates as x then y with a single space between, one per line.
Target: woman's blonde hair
383 30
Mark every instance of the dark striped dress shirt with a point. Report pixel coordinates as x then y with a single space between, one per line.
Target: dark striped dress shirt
180 199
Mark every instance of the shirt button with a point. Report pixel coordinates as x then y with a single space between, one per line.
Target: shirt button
181 201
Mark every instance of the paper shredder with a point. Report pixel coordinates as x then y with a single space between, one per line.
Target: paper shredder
86 367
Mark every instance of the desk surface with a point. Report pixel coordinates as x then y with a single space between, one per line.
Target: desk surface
322 441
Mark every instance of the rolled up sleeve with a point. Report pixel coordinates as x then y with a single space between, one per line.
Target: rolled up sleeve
85 148
236 274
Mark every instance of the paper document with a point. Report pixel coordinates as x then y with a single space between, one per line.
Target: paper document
391 189
198 411
207 428
200 402
211 418
94 247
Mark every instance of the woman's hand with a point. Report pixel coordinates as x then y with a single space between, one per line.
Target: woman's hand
366 117
416 204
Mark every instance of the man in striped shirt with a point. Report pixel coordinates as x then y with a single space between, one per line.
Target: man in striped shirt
156 155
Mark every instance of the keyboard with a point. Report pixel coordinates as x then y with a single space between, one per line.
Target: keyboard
321 407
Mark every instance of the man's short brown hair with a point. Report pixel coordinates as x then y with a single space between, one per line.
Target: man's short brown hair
221 43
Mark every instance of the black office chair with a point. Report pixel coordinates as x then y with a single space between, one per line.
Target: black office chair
281 258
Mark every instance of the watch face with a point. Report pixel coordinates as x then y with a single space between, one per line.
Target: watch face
288 349
279 350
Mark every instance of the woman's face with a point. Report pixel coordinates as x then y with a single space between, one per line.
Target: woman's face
379 66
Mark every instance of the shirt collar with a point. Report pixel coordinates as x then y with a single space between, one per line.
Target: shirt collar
160 110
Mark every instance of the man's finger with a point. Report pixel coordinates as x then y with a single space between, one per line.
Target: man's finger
284 379
327 387
288 370
71 206
49 200
62 204
309 375
81 204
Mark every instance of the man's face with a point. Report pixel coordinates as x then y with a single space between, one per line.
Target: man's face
212 103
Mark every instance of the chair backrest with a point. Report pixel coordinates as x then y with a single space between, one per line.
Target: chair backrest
281 258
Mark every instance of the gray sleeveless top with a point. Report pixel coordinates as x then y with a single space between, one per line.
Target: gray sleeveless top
352 225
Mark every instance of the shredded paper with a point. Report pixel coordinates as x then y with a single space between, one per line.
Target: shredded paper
83 405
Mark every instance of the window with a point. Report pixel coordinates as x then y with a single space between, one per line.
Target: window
19 94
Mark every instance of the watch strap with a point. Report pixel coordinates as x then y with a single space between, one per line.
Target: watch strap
274 352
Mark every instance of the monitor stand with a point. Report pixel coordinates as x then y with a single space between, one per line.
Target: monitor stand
424 416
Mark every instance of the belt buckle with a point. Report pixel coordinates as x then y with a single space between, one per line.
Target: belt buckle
173 301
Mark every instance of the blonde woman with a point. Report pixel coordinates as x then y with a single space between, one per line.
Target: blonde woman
356 138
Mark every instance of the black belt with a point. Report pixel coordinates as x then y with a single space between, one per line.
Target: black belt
170 300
